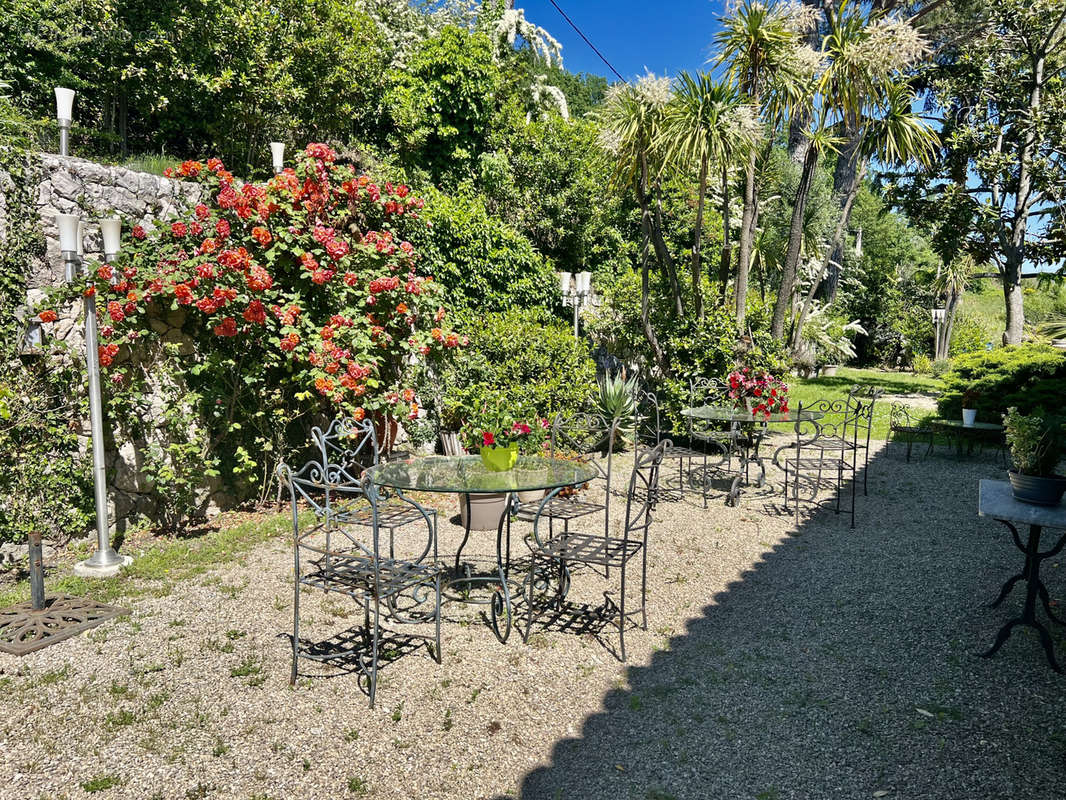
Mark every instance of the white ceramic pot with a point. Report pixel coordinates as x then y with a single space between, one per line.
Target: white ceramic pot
969 416
485 510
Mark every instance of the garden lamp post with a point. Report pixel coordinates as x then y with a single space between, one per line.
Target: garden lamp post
65 116
939 317
277 155
105 561
576 291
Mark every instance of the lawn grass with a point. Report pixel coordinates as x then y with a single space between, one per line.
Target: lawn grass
162 563
809 390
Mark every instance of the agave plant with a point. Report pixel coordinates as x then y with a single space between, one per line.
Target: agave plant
616 403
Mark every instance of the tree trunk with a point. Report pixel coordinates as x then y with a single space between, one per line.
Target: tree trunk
847 177
697 294
747 234
645 314
727 248
795 240
1023 201
651 224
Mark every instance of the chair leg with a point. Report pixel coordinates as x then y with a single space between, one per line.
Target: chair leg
910 443
374 651
865 470
436 648
622 613
295 627
529 600
644 588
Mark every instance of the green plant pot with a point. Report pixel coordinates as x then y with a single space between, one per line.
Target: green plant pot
499 459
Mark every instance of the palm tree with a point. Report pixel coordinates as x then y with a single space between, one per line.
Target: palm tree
707 124
630 120
819 142
759 42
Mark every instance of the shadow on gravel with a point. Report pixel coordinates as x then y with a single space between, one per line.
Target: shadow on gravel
844 665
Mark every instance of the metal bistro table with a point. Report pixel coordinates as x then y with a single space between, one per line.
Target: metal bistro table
467 475
997 501
747 448
971 433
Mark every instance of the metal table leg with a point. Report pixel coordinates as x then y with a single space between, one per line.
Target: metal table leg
1034 587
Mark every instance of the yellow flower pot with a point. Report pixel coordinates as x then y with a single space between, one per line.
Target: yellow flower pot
499 459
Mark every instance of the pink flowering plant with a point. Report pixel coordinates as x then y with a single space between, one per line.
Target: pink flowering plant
764 394
495 421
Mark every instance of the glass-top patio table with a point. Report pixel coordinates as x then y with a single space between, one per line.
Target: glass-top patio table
467 475
747 447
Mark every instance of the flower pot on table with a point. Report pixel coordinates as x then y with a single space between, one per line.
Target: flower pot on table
499 459
969 417
1036 489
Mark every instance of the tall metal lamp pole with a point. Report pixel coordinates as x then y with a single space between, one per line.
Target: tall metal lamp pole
105 561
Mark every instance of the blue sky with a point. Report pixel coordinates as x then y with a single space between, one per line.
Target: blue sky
665 36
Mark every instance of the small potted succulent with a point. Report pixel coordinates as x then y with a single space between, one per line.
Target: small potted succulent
1035 442
969 406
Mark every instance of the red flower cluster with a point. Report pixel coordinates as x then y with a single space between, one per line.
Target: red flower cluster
764 393
228 262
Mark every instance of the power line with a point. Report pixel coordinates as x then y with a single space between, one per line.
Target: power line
603 58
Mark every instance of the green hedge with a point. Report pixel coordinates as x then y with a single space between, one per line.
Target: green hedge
530 357
1029 376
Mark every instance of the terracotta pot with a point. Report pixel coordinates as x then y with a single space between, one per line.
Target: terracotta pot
485 510
386 429
1040 491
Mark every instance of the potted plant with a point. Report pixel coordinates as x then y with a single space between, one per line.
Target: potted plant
1035 442
492 430
530 467
969 406
758 392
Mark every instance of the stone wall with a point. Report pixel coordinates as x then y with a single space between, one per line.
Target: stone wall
72 185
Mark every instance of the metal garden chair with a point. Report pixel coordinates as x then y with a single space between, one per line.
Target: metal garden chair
902 424
401 591
824 448
597 550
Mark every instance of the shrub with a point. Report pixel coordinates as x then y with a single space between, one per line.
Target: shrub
527 356
1027 376
968 335
483 263
295 297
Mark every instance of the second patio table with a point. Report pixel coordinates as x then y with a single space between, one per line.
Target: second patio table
747 450
467 475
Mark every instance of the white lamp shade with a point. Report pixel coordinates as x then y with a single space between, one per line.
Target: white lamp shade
564 282
277 154
68 232
111 231
584 281
64 103
81 238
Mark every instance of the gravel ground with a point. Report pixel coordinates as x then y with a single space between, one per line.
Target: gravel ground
816 662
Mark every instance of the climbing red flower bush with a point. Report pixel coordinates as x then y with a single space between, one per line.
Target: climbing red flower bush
308 276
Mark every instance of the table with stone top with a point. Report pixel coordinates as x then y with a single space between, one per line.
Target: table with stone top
996 500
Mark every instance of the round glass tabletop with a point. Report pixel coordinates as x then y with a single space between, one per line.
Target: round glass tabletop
724 414
468 475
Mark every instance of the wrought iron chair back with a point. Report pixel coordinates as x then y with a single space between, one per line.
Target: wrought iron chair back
642 496
586 436
347 442
647 417
705 392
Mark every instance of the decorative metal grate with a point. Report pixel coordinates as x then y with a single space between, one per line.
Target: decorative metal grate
24 630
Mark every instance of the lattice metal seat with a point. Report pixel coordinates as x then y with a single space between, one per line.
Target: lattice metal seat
590 549
362 575
564 508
